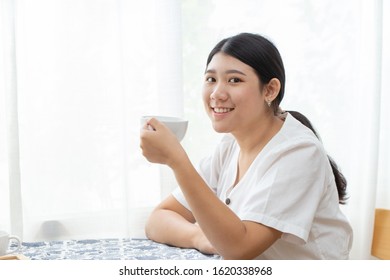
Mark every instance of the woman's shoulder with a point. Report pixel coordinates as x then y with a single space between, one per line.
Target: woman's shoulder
296 137
294 131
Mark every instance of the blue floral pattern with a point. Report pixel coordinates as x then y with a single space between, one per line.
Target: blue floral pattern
109 249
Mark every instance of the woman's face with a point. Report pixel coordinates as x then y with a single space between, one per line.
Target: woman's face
232 95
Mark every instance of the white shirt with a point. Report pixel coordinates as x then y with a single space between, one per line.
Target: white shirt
290 187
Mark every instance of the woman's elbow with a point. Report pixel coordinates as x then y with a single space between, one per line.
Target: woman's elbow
149 227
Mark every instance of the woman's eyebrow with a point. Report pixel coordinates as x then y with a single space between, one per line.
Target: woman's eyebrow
230 71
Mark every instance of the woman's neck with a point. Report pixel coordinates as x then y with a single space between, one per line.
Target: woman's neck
253 140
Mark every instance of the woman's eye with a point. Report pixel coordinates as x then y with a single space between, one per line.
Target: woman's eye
234 80
210 79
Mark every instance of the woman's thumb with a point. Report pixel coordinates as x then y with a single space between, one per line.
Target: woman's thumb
153 123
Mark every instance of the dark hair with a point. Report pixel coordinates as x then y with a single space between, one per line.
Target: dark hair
341 182
262 55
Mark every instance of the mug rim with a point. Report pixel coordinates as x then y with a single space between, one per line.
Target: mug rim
163 118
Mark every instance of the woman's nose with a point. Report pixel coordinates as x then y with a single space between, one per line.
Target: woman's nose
219 92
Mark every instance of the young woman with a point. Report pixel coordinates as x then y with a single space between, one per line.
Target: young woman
269 191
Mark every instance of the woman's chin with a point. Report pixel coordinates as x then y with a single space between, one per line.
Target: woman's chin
220 128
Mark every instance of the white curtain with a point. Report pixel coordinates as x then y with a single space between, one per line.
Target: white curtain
76 75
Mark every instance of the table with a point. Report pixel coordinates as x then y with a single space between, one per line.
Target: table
109 249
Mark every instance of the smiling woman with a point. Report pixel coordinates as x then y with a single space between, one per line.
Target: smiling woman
251 185
232 90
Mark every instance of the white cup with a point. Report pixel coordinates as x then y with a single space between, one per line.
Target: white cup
177 125
5 239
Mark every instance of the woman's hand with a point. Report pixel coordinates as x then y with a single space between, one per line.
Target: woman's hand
159 144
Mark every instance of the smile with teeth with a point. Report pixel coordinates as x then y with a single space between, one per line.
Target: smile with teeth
222 110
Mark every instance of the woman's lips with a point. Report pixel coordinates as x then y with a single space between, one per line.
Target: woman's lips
222 110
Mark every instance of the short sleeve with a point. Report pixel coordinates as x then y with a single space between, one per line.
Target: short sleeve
289 191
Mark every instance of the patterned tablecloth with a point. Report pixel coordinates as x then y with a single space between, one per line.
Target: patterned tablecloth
109 249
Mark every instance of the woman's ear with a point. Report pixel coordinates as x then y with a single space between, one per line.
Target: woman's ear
272 89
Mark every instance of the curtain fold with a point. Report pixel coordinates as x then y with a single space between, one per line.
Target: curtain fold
9 74
364 178
383 191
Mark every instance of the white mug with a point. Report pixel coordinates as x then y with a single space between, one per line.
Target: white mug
5 239
177 125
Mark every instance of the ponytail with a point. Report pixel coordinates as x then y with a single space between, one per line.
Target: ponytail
341 182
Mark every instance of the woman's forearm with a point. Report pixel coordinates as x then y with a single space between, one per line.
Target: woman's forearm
169 227
221 226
